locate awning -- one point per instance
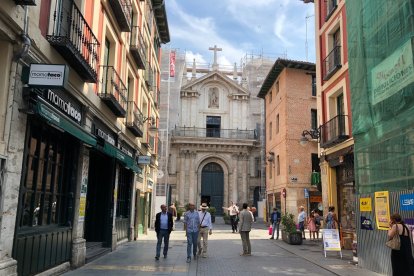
(125, 159)
(54, 117)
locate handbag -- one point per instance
(270, 230)
(394, 243)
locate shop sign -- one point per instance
(366, 223)
(365, 204)
(382, 210)
(393, 73)
(126, 151)
(52, 116)
(107, 137)
(407, 202)
(331, 240)
(68, 108)
(315, 198)
(48, 75)
(144, 160)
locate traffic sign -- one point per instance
(306, 193)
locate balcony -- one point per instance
(332, 63)
(149, 78)
(215, 133)
(138, 47)
(74, 40)
(331, 6)
(123, 13)
(334, 131)
(113, 91)
(25, 2)
(135, 119)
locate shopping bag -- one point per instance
(270, 230)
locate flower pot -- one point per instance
(294, 238)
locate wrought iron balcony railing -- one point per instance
(138, 47)
(332, 63)
(135, 119)
(113, 91)
(72, 37)
(215, 133)
(123, 13)
(334, 131)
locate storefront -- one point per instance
(45, 213)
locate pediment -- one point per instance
(216, 77)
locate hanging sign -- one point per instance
(366, 223)
(365, 204)
(407, 202)
(144, 160)
(382, 210)
(48, 75)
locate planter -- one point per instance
(294, 238)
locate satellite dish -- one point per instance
(160, 174)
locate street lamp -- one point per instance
(313, 134)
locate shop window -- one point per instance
(48, 183)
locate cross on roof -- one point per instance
(215, 49)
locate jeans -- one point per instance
(164, 233)
(275, 227)
(192, 238)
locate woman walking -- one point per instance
(401, 260)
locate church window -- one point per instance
(213, 125)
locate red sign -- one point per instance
(284, 193)
(172, 64)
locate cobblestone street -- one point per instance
(268, 257)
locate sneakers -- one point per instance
(188, 259)
(157, 258)
(272, 238)
(204, 256)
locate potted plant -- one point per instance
(212, 211)
(289, 232)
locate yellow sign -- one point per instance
(82, 206)
(382, 210)
(365, 204)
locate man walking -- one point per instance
(163, 228)
(191, 224)
(275, 220)
(301, 221)
(206, 228)
(246, 220)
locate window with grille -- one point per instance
(48, 183)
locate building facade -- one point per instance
(79, 95)
(334, 106)
(213, 133)
(381, 74)
(290, 104)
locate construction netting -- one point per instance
(381, 71)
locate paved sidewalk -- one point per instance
(269, 257)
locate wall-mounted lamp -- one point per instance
(313, 134)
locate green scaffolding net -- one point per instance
(381, 71)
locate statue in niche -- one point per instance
(213, 100)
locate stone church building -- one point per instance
(214, 129)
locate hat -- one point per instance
(204, 206)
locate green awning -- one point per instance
(54, 117)
(125, 159)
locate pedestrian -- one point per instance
(401, 260)
(331, 219)
(301, 221)
(312, 226)
(173, 211)
(317, 223)
(275, 220)
(246, 220)
(206, 228)
(191, 225)
(163, 228)
(233, 212)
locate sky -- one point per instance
(274, 28)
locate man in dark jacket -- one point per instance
(163, 228)
(275, 220)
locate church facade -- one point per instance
(214, 146)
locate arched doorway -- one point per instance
(212, 186)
